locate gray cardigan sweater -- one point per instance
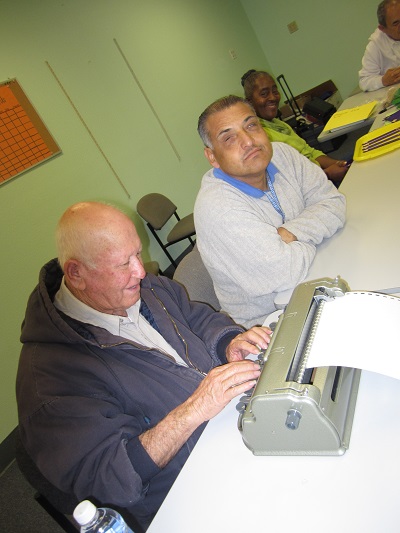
(238, 240)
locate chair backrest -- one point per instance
(193, 275)
(156, 209)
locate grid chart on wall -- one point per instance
(24, 139)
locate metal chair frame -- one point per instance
(156, 209)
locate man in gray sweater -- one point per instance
(260, 213)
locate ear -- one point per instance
(382, 28)
(211, 157)
(73, 274)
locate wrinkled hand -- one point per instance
(391, 76)
(286, 235)
(220, 386)
(251, 341)
(337, 171)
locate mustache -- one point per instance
(252, 149)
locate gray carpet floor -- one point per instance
(20, 513)
(346, 150)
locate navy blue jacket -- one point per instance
(85, 396)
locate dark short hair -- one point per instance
(249, 79)
(246, 75)
(381, 11)
(219, 105)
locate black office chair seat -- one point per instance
(183, 229)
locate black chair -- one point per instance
(156, 209)
(56, 503)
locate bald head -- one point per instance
(86, 229)
(99, 251)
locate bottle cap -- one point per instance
(84, 512)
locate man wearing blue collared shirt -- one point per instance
(260, 212)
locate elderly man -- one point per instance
(381, 61)
(119, 371)
(260, 212)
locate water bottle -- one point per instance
(99, 520)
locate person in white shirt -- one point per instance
(381, 61)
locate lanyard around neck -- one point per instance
(270, 173)
(273, 198)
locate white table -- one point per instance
(357, 100)
(223, 487)
(366, 252)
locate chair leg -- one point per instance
(169, 256)
(162, 245)
(61, 519)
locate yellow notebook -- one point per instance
(345, 117)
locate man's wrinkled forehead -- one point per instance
(224, 130)
(229, 119)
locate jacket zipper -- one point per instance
(190, 362)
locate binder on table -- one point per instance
(346, 117)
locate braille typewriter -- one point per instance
(294, 410)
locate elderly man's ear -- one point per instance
(211, 157)
(73, 274)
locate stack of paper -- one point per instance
(346, 117)
(343, 339)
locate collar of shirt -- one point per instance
(133, 327)
(243, 186)
(66, 302)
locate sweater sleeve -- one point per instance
(239, 242)
(324, 209)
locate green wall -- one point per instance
(329, 43)
(71, 58)
(179, 53)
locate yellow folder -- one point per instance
(345, 117)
